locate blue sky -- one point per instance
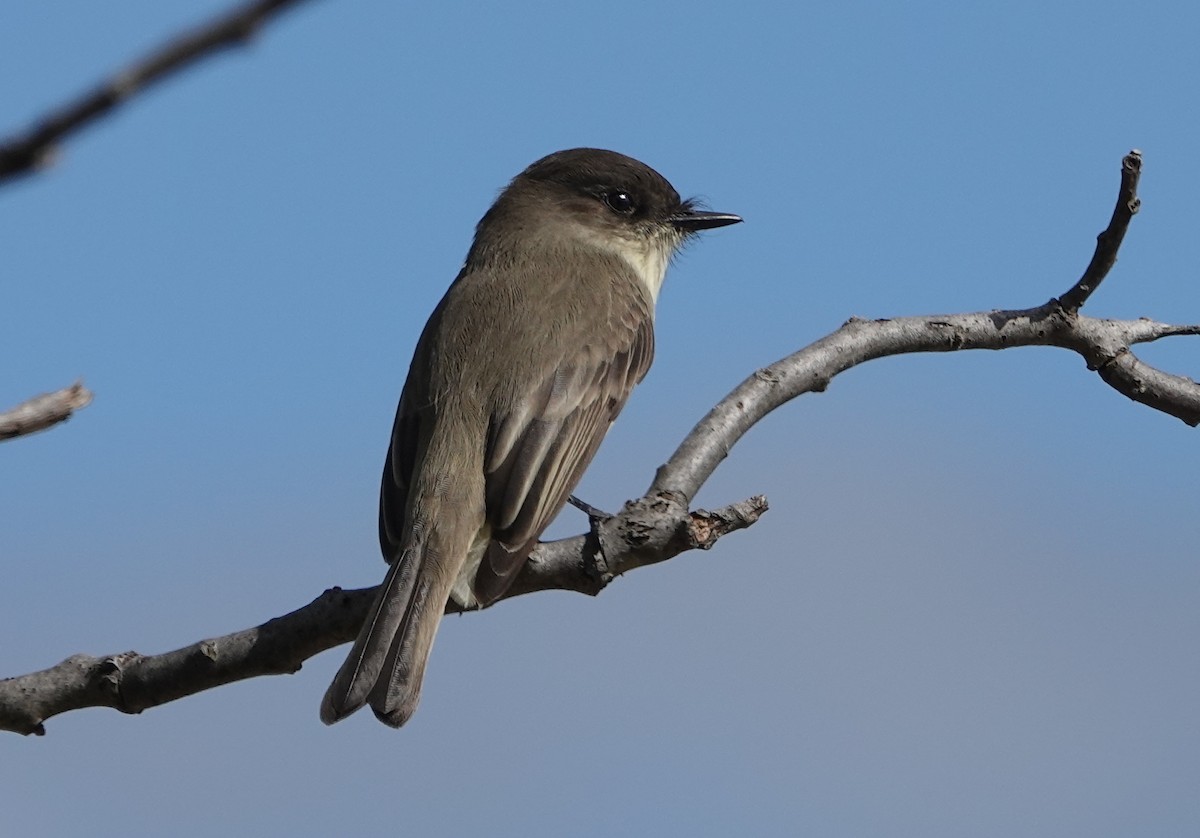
(974, 606)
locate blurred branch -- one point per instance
(44, 411)
(34, 149)
(658, 526)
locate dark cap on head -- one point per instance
(626, 186)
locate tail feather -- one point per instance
(387, 662)
(382, 629)
(397, 690)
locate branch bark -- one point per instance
(645, 532)
(44, 411)
(1109, 240)
(657, 526)
(34, 148)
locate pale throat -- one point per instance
(647, 256)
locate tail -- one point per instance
(387, 662)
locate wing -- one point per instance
(402, 455)
(538, 449)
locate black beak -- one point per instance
(690, 220)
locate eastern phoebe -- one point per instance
(522, 367)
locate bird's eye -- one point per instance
(619, 202)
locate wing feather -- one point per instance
(401, 459)
(538, 450)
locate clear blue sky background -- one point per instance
(974, 608)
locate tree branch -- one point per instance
(1104, 344)
(44, 411)
(645, 532)
(34, 149)
(1109, 241)
(658, 526)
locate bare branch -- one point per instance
(44, 411)
(645, 532)
(1154, 388)
(1104, 344)
(34, 149)
(1145, 330)
(1109, 241)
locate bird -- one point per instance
(515, 380)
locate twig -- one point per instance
(34, 149)
(44, 411)
(1109, 241)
